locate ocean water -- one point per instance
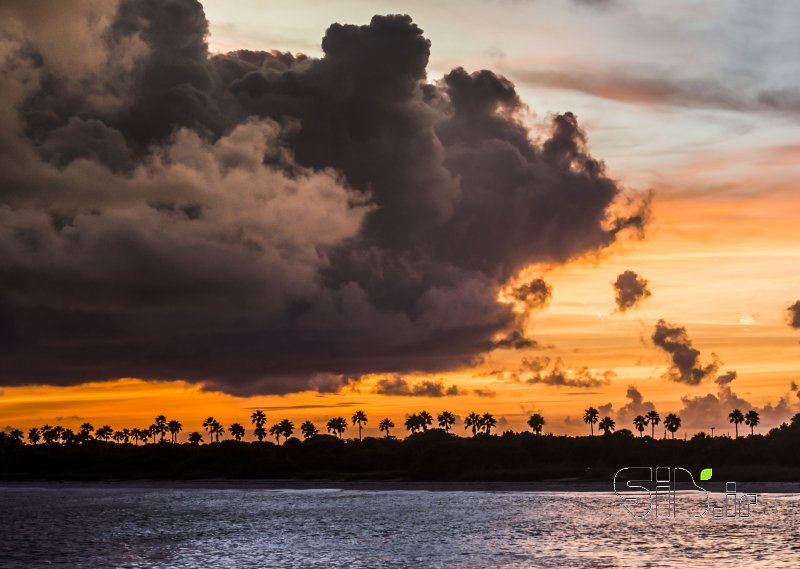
(103, 526)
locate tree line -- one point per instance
(163, 430)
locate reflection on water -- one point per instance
(103, 527)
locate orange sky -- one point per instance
(721, 255)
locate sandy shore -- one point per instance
(562, 485)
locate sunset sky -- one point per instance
(367, 249)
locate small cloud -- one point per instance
(636, 405)
(794, 315)
(534, 294)
(514, 340)
(398, 386)
(726, 378)
(484, 392)
(630, 290)
(535, 370)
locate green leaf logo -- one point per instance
(705, 474)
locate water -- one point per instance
(103, 527)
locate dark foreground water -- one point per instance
(101, 527)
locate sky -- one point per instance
(380, 224)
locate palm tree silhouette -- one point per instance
(672, 423)
(137, 435)
(85, 432)
(360, 419)
(337, 425)
(174, 427)
(237, 431)
(472, 421)
(488, 422)
(195, 438)
(640, 423)
(752, 419)
(217, 429)
(607, 425)
(208, 425)
(287, 428)
(34, 436)
(590, 417)
(385, 425)
(16, 436)
(160, 426)
(275, 431)
(308, 429)
(536, 423)
(425, 420)
(446, 420)
(736, 418)
(104, 433)
(413, 423)
(654, 419)
(259, 419)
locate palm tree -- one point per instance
(308, 429)
(590, 417)
(413, 423)
(85, 432)
(446, 420)
(425, 420)
(385, 425)
(195, 438)
(34, 436)
(536, 423)
(208, 425)
(126, 434)
(118, 436)
(672, 423)
(104, 433)
(287, 428)
(736, 418)
(654, 419)
(137, 435)
(16, 436)
(752, 419)
(360, 419)
(607, 425)
(259, 419)
(275, 431)
(160, 426)
(237, 431)
(147, 432)
(472, 421)
(174, 427)
(217, 429)
(640, 423)
(488, 422)
(337, 425)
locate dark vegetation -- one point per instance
(427, 454)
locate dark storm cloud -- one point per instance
(427, 388)
(629, 290)
(794, 315)
(263, 222)
(686, 366)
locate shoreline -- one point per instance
(562, 485)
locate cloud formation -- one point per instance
(686, 366)
(539, 370)
(794, 315)
(630, 289)
(264, 222)
(636, 405)
(397, 385)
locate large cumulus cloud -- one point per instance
(262, 221)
